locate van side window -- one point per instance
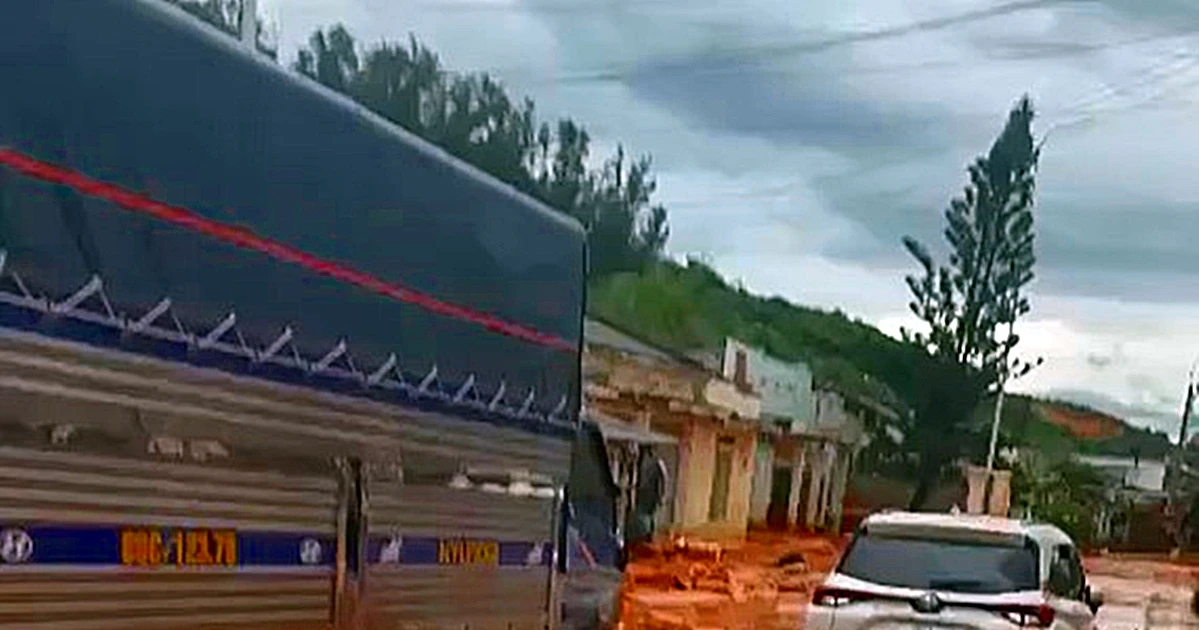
(1065, 573)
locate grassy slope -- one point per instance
(691, 307)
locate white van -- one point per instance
(930, 571)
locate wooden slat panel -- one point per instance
(88, 490)
(71, 488)
(130, 469)
(434, 511)
(340, 422)
(453, 597)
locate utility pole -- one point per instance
(995, 429)
(248, 23)
(1003, 374)
(1186, 411)
(1176, 481)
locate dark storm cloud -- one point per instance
(885, 98)
(1172, 13)
(802, 108)
(911, 157)
(1108, 244)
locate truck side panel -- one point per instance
(152, 495)
(134, 95)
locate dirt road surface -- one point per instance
(764, 584)
(1144, 593)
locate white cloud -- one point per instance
(1137, 356)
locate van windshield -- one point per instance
(929, 564)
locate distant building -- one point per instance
(1134, 518)
(808, 435)
(1144, 476)
(702, 425)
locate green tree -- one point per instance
(1061, 491)
(473, 118)
(626, 229)
(970, 305)
(226, 15)
(331, 58)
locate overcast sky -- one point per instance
(796, 142)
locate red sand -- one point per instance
(759, 583)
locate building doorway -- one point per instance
(805, 496)
(718, 506)
(780, 497)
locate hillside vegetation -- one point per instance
(684, 307)
(689, 306)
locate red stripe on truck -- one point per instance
(243, 237)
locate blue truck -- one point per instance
(269, 361)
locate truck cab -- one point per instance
(593, 555)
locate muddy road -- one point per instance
(764, 583)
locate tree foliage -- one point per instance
(1063, 492)
(472, 117)
(689, 307)
(226, 16)
(969, 305)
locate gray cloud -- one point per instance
(797, 142)
(1171, 13)
(1143, 415)
(809, 109)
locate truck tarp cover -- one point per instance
(140, 96)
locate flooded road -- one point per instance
(1144, 594)
(765, 583)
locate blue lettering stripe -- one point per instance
(114, 546)
(425, 551)
(101, 546)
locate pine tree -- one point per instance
(970, 305)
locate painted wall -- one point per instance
(697, 463)
(785, 388)
(833, 419)
(762, 479)
(697, 459)
(740, 481)
(724, 394)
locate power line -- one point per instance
(1085, 108)
(732, 58)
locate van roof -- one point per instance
(974, 528)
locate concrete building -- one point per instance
(808, 436)
(700, 423)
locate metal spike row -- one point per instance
(214, 335)
(282, 340)
(430, 380)
(148, 319)
(330, 356)
(556, 414)
(498, 398)
(388, 374)
(467, 389)
(383, 370)
(527, 405)
(89, 289)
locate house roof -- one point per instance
(600, 333)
